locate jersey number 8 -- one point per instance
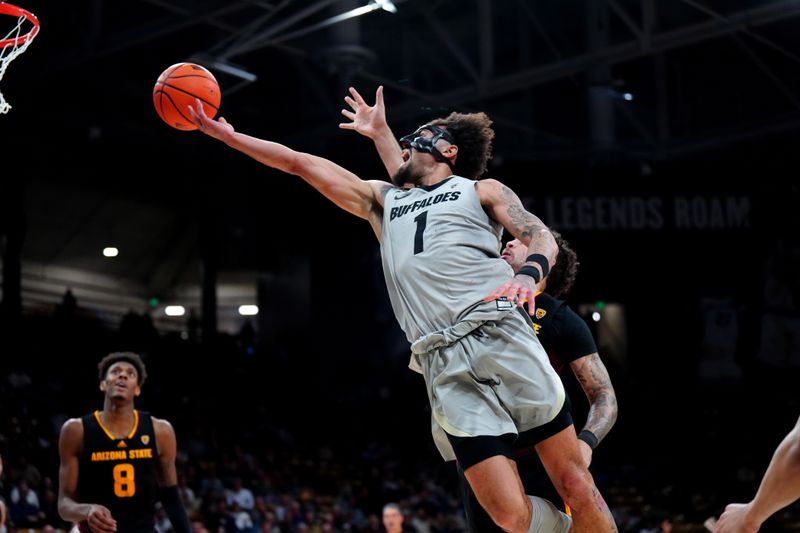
(124, 482)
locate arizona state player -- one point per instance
(568, 342)
(113, 461)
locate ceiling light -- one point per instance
(233, 70)
(110, 251)
(248, 310)
(386, 5)
(174, 310)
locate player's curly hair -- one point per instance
(128, 357)
(562, 276)
(473, 135)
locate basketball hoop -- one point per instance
(15, 42)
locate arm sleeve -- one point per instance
(176, 512)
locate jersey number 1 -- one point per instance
(124, 483)
(422, 221)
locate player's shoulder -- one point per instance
(382, 184)
(72, 426)
(550, 303)
(381, 188)
(160, 421)
(488, 185)
(165, 434)
(570, 312)
(162, 425)
(71, 436)
(569, 317)
(492, 191)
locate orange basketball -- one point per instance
(176, 89)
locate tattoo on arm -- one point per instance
(526, 223)
(593, 377)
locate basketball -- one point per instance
(176, 89)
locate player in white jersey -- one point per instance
(487, 376)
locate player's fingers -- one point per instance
(497, 293)
(379, 96)
(106, 519)
(222, 119)
(103, 526)
(512, 292)
(527, 296)
(524, 295)
(108, 528)
(349, 114)
(356, 95)
(490, 297)
(503, 287)
(200, 111)
(346, 126)
(102, 522)
(352, 103)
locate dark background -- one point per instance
(713, 122)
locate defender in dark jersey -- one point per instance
(114, 461)
(568, 342)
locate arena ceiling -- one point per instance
(564, 80)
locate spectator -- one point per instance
(25, 511)
(240, 495)
(393, 518)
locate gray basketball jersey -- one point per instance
(441, 254)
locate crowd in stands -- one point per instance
(268, 445)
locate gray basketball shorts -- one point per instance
(488, 377)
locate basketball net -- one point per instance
(15, 42)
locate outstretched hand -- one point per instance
(365, 119)
(735, 519)
(520, 290)
(219, 129)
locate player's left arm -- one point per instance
(168, 476)
(503, 205)
(370, 121)
(596, 383)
